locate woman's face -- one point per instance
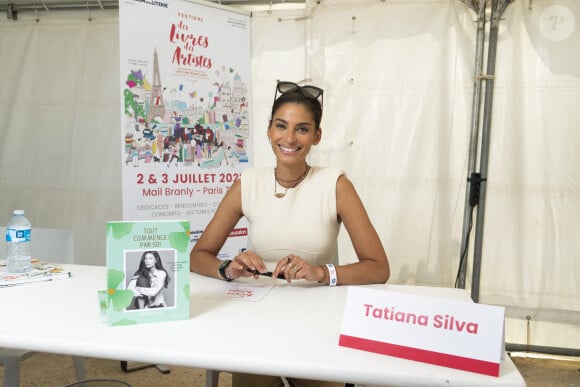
(149, 260)
(293, 132)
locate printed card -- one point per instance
(235, 291)
(456, 334)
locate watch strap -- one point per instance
(222, 270)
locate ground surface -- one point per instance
(42, 369)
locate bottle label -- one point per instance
(15, 235)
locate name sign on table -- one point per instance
(456, 334)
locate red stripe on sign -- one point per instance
(431, 357)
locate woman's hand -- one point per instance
(246, 260)
(294, 268)
(137, 291)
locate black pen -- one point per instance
(267, 274)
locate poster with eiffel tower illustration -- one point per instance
(185, 115)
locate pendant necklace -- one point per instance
(293, 183)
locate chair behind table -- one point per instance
(54, 246)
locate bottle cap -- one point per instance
(18, 212)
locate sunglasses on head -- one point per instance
(308, 91)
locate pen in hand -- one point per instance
(267, 274)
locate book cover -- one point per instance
(147, 272)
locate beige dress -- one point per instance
(304, 222)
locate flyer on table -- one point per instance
(185, 114)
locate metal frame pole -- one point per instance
(475, 193)
(473, 142)
(497, 10)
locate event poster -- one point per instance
(185, 92)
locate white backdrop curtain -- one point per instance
(398, 78)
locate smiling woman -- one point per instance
(280, 203)
(295, 211)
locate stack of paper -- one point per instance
(40, 272)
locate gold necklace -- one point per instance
(297, 181)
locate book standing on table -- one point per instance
(147, 272)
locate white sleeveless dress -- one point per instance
(304, 222)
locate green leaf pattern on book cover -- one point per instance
(186, 291)
(119, 230)
(179, 241)
(124, 322)
(120, 298)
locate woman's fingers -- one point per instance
(292, 267)
(249, 260)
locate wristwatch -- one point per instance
(222, 270)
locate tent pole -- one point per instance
(475, 114)
(560, 351)
(497, 10)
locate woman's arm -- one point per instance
(373, 265)
(155, 289)
(203, 256)
(132, 286)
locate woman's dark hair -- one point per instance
(143, 272)
(298, 97)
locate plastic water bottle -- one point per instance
(18, 243)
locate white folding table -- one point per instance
(293, 331)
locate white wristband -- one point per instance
(331, 274)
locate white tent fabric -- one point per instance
(398, 80)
